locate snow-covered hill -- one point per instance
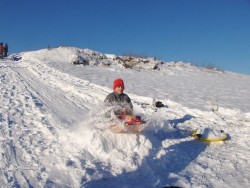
(53, 130)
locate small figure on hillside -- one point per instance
(1, 50)
(6, 49)
(118, 98)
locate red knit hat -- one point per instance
(118, 82)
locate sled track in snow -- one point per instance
(89, 93)
(62, 93)
(25, 133)
(30, 131)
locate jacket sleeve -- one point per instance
(109, 100)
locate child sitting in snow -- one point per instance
(119, 99)
(123, 110)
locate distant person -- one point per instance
(6, 49)
(117, 97)
(1, 50)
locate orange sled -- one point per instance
(128, 124)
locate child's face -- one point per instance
(119, 90)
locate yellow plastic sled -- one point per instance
(221, 136)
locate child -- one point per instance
(123, 110)
(119, 99)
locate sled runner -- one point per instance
(128, 124)
(209, 135)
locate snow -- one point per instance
(54, 134)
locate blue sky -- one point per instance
(203, 32)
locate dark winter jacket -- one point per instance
(1, 49)
(119, 99)
(6, 48)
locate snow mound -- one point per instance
(78, 56)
